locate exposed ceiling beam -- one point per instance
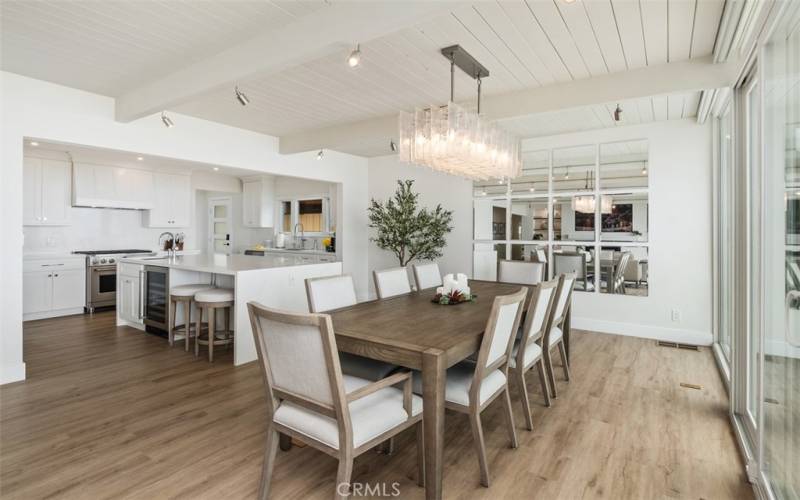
(669, 78)
(334, 28)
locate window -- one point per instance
(582, 209)
(312, 212)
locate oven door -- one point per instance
(103, 286)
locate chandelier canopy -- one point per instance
(450, 139)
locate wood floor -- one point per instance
(111, 412)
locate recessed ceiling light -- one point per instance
(216, 169)
(140, 158)
(167, 120)
(355, 57)
(34, 143)
(320, 154)
(241, 97)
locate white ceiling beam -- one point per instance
(335, 28)
(669, 78)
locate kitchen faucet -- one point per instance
(171, 249)
(302, 234)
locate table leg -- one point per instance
(433, 378)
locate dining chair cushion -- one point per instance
(532, 351)
(370, 416)
(459, 380)
(369, 369)
(555, 335)
(188, 290)
(214, 295)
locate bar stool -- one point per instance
(210, 300)
(183, 294)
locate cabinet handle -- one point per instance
(51, 265)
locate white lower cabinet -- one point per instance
(53, 287)
(128, 299)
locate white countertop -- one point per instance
(306, 252)
(231, 264)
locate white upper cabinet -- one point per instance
(112, 187)
(258, 201)
(172, 201)
(45, 196)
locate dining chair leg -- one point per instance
(269, 463)
(343, 477)
(420, 454)
(187, 321)
(563, 351)
(480, 447)
(543, 381)
(548, 366)
(523, 396)
(386, 447)
(512, 429)
(285, 442)
(212, 323)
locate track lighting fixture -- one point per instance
(532, 189)
(618, 114)
(566, 175)
(166, 119)
(320, 155)
(242, 98)
(140, 158)
(392, 146)
(355, 57)
(644, 170)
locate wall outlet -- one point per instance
(676, 315)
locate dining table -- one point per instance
(412, 331)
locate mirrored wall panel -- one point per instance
(624, 217)
(624, 165)
(535, 174)
(573, 218)
(489, 218)
(484, 260)
(529, 219)
(573, 168)
(575, 259)
(623, 270)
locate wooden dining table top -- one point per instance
(413, 323)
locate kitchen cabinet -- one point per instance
(45, 192)
(258, 201)
(53, 286)
(172, 201)
(128, 300)
(111, 187)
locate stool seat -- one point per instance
(188, 290)
(214, 295)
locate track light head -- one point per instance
(618, 114)
(355, 57)
(644, 171)
(166, 120)
(392, 146)
(241, 97)
(320, 155)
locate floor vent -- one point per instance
(691, 386)
(664, 343)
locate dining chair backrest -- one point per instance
(619, 274)
(427, 275)
(517, 271)
(566, 283)
(570, 263)
(541, 255)
(606, 254)
(569, 249)
(391, 282)
(330, 292)
(501, 329)
(541, 303)
(298, 359)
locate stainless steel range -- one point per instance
(101, 275)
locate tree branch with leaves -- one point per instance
(404, 230)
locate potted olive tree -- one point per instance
(408, 232)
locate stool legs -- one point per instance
(171, 323)
(197, 331)
(187, 320)
(211, 324)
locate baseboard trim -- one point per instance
(12, 373)
(52, 314)
(680, 336)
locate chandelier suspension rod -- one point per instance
(452, 77)
(479, 92)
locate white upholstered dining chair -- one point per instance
(517, 271)
(309, 399)
(554, 336)
(471, 386)
(427, 275)
(391, 282)
(334, 292)
(527, 351)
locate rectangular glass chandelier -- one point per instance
(453, 140)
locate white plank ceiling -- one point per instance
(112, 47)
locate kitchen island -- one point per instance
(276, 281)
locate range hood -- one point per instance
(101, 186)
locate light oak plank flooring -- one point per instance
(112, 412)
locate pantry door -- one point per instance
(220, 226)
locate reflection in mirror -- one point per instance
(489, 218)
(530, 253)
(535, 172)
(485, 257)
(573, 169)
(573, 218)
(627, 219)
(490, 187)
(529, 219)
(624, 270)
(624, 164)
(575, 259)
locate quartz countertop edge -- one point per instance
(231, 265)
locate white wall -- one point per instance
(45, 111)
(453, 193)
(680, 269)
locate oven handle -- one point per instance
(104, 269)
(142, 285)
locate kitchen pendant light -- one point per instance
(241, 97)
(450, 139)
(166, 120)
